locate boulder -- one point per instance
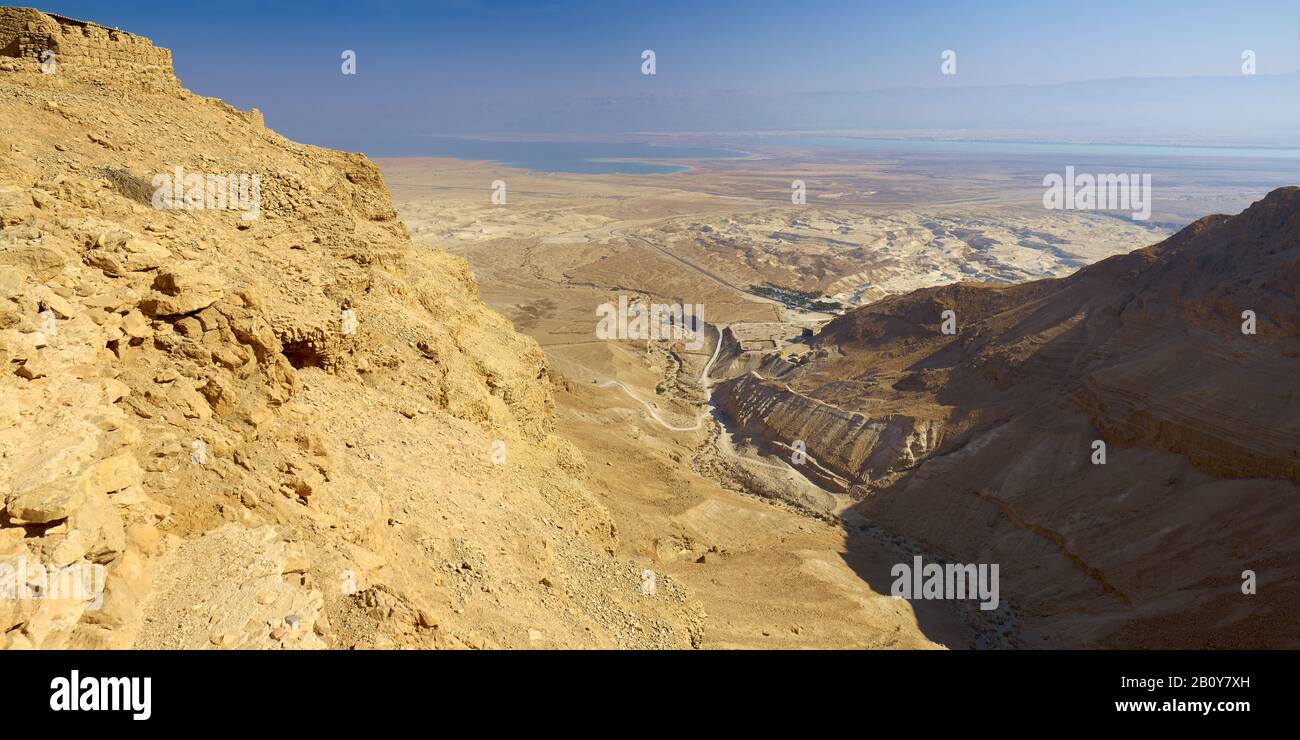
(48, 503)
(181, 291)
(111, 474)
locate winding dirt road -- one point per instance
(704, 383)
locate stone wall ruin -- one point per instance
(80, 46)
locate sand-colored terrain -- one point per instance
(186, 414)
(365, 418)
(1122, 441)
(188, 411)
(718, 508)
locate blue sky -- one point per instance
(417, 59)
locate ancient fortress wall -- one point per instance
(80, 46)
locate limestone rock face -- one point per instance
(851, 445)
(983, 443)
(48, 503)
(222, 391)
(120, 252)
(183, 291)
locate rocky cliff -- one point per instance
(232, 392)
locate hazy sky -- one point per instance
(417, 58)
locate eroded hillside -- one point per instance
(1182, 358)
(185, 402)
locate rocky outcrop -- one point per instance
(850, 445)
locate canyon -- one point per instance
(982, 443)
(376, 410)
(974, 446)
